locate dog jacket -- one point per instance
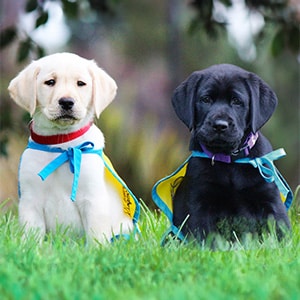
(164, 190)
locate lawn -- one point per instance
(65, 268)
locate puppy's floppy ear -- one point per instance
(104, 88)
(22, 88)
(263, 102)
(183, 99)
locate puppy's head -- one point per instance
(63, 89)
(221, 105)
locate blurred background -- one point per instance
(149, 47)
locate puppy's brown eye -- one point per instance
(236, 101)
(50, 82)
(81, 83)
(206, 99)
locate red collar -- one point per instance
(59, 138)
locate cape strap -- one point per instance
(266, 168)
(73, 155)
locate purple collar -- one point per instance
(241, 152)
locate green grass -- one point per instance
(64, 268)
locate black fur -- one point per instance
(221, 105)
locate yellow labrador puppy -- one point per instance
(62, 171)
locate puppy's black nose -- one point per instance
(66, 103)
(220, 126)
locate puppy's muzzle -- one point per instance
(67, 110)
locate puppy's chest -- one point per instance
(33, 162)
(232, 175)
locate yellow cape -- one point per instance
(163, 191)
(130, 203)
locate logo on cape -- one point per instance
(130, 203)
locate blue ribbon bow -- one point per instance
(265, 164)
(72, 154)
(266, 168)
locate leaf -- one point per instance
(194, 26)
(31, 5)
(213, 29)
(294, 39)
(3, 146)
(40, 51)
(104, 6)
(278, 42)
(42, 19)
(227, 3)
(70, 8)
(24, 50)
(7, 36)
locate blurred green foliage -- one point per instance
(142, 155)
(179, 37)
(279, 12)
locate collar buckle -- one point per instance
(213, 160)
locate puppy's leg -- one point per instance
(99, 203)
(96, 218)
(102, 224)
(188, 212)
(97, 227)
(267, 209)
(32, 220)
(104, 220)
(278, 219)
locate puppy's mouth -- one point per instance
(221, 146)
(66, 119)
(219, 143)
(222, 141)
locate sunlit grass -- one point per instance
(63, 267)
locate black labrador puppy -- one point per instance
(224, 107)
